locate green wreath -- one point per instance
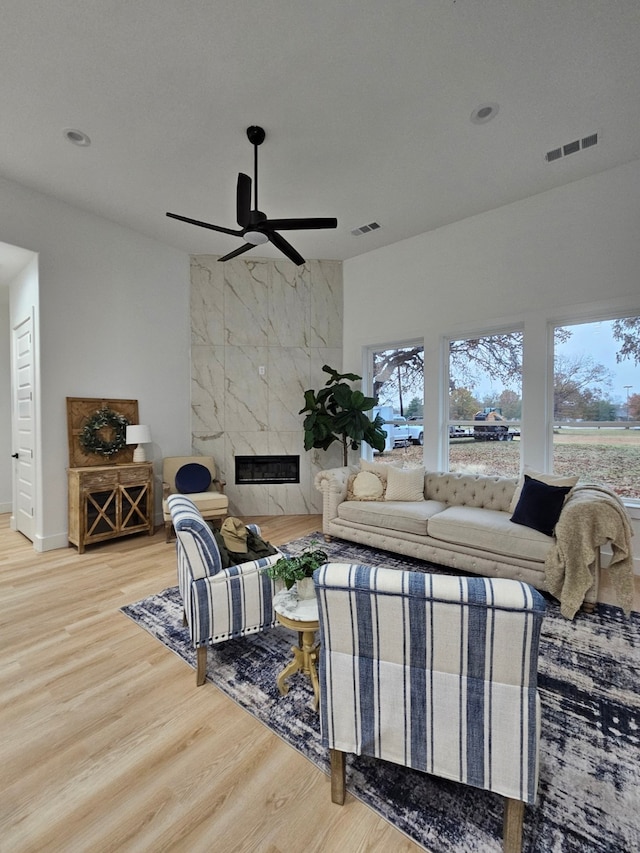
(91, 438)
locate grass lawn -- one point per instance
(608, 456)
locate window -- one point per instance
(595, 392)
(596, 403)
(485, 403)
(397, 380)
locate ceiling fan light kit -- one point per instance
(255, 228)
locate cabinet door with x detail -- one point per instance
(106, 502)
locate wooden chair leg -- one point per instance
(168, 531)
(201, 672)
(337, 776)
(512, 830)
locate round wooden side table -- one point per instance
(299, 615)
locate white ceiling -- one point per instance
(366, 105)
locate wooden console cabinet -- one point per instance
(108, 501)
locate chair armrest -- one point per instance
(220, 484)
(253, 567)
(166, 490)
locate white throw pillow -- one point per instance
(549, 479)
(365, 486)
(405, 484)
(380, 468)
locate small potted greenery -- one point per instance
(299, 570)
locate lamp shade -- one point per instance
(138, 434)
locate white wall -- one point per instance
(562, 254)
(114, 322)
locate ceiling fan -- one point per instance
(255, 228)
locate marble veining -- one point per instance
(207, 388)
(261, 331)
(246, 294)
(207, 301)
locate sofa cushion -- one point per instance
(365, 486)
(405, 484)
(406, 517)
(488, 530)
(380, 468)
(549, 479)
(540, 505)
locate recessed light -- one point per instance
(77, 137)
(484, 113)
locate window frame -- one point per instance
(366, 452)
(538, 352)
(444, 420)
(579, 319)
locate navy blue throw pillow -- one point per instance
(540, 505)
(192, 478)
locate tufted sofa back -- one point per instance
(478, 490)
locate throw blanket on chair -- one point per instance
(592, 516)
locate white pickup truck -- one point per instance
(403, 431)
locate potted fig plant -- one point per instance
(338, 412)
(299, 570)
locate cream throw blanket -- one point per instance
(592, 516)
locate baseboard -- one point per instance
(5, 507)
(50, 543)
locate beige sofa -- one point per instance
(463, 523)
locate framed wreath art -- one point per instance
(97, 430)
(105, 432)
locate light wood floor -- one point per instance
(108, 745)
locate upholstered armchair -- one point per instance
(432, 672)
(197, 477)
(219, 604)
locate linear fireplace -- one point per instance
(267, 469)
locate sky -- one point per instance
(587, 339)
(596, 340)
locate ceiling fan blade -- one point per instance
(244, 248)
(205, 225)
(300, 224)
(285, 247)
(243, 199)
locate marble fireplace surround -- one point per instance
(260, 332)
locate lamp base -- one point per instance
(139, 455)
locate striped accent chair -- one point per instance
(219, 604)
(432, 672)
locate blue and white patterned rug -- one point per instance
(589, 679)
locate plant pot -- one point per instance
(305, 588)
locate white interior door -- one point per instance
(23, 429)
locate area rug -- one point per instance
(589, 679)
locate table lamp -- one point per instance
(138, 434)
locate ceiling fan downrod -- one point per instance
(256, 137)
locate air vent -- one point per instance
(571, 148)
(364, 229)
